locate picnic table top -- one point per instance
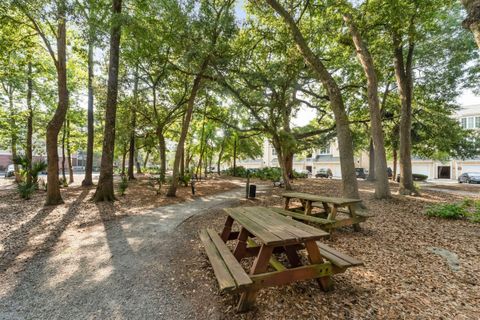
(315, 198)
(273, 229)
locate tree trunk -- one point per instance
(145, 162)
(472, 22)
(182, 165)
(124, 160)
(162, 150)
(235, 157)
(289, 164)
(371, 162)
(137, 163)
(69, 155)
(87, 181)
(282, 161)
(220, 155)
(105, 190)
(186, 124)
(29, 151)
(404, 77)
(64, 136)
(131, 175)
(347, 164)
(379, 172)
(13, 135)
(395, 162)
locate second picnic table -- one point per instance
(330, 205)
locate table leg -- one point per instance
(260, 265)
(315, 257)
(287, 202)
(308, 207)
(241, 247)
(353, 215)
(292, 256)
(326, 207)
(227, 229)
(333, 213)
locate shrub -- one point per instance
(447, 211)
(419, 177)
(26, 190)
(123, 185)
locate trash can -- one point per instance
(252, 191)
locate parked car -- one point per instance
(324, 173)
(469, 177)
(361, 173)
(389, 172)
(303, 173)
(10, 172)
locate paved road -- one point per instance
(114, 270)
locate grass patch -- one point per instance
(466, 209)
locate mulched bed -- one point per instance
(27, 227)
(402, 278)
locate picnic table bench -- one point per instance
(264, 233)
(328, 215)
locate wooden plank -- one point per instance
(278, 278)
(224, 278)
(301, 216)
(257, 230)
(301, 230)
(334, 200)
(338, 258)
(239, 275)
(274, 226)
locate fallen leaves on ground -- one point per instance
(402, 278)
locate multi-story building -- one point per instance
(329, 157)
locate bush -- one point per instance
(123, 185)
(26, 190)
(447, 211)
(419, 177)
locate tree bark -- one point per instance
(69, 155)
(64, 136)
(146, 160)
(282, 161)
(13, 134)
(472, 22)
(55, 124)
(105, 190)
(220, 155)
(395, 162)
(382, 188)
(347, 164)
(162, 150)
(133, 124)
(404, 77)
(172, 191)
(235, 157)
(87, 181)
(29, 148)
(124, 160)
(371, 161)
(137, 163)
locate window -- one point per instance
(470, 123)
(477, 122)
(463, 123)
(325, 150)
(274, 152)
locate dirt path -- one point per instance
(118, 269)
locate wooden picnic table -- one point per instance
(263, 233)
(330, 205)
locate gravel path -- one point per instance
(118, 269)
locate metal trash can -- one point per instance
(252, 191)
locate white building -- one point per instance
(469, 118)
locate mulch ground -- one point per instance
(402, 278)
(26, 226)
